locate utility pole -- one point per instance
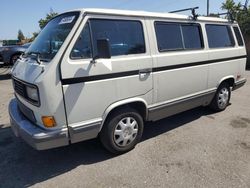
(208, 7)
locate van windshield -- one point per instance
(52, 37)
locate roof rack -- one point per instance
(194, 15)
(229, 16)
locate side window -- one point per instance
(168, 36)
(238, 36)
(82, 47)
(125, 37)
(219, 36)
(178, 36)
(192, 37)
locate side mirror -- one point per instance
(103, 49)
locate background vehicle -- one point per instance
(9, 54)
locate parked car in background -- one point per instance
(9, 54)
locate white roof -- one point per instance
(148, 14)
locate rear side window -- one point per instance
(125, 37)
(168, 36)
(192, 36)
(238, 36)
(177, 36)
(219, 36)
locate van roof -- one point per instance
(148, 14)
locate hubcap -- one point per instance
(125, 131)
(223, 98)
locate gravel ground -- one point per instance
(196, 148)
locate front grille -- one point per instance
(28, 113)
(19, 88)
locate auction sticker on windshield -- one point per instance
(67, 20)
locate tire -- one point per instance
(221, 98)
(122, 131)
(14, 59)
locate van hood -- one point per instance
(27, 70)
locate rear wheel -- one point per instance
(122, 131)
(221, 98)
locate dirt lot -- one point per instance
(194, 149)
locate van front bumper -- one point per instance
(35, 136)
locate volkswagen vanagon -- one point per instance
(103, 73)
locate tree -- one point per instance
(242, 16)
(44, 21)
(20, 35)
(231, 8)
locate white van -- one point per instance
(104, 73)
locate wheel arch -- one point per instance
(229, 79)
(137, 103)
(12, 55)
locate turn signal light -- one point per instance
(49, 121)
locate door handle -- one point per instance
(145, 71)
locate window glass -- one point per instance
(238, 36)
(82, 48)
(177, 36)
(191, 36)
(168, 36)
(125, 37)
(219, 36)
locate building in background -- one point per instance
(1, 43)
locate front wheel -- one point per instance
(122, 131)
(221, 98)
(14, 58)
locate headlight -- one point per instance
(32, 93)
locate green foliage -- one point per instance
(44, 21)
(242, 15)
(20, 35)
(243, 19)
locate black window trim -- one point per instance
(230, 32)
(111, 19)
(180, 25)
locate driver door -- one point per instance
(91, 86)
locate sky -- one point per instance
(25, 14)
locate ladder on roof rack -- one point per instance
(194, 15)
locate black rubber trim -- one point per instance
(99, 77)
(239, 84)
(69, 81)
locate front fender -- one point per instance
(121, 103)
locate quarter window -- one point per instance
(82, 48)
(125, 37)
(219, 36)
(178, 36)
(238, 36)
